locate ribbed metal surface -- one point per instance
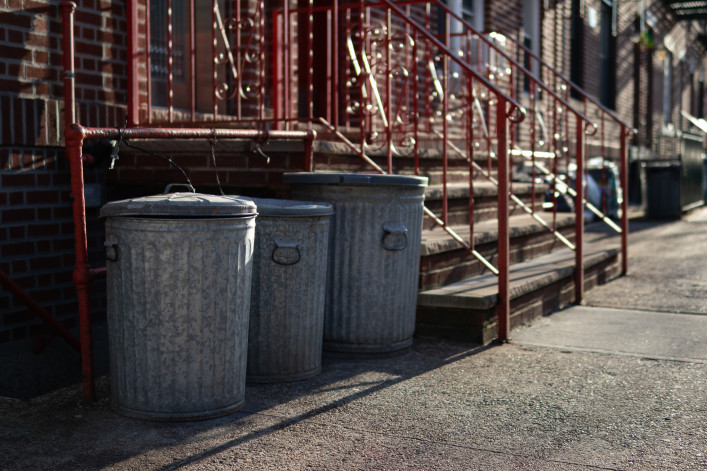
(178, 303)
(287, 301)
(372, 290)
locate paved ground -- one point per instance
(621, 387)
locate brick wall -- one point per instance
(36, 226)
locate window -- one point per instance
(207, 26)
(160, 48)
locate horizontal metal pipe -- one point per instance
(190, 133)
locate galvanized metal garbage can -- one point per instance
(179, 278)
(374, 258)
(287, 298)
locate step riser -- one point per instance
(448, 267)
(485, 209)
(480, 326)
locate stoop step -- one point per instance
(466, 310)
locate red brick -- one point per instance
(86, 17)
(63, 212)
(60, 245)
(44, 213)
(43, 197)
(18, 179)
(89, 49)
(44, 279)
(17, 232)
(44, 246)
(61, 179)
(15, 36)
(38, 73)
(17, 317)
(41, 57)
(37, 40)
(62, 277)
(13, 86)
(21, 248)
(17, 197)
(67, 308)
(88, 33)
(4, 336)
(16, 53)
(39, 230)
(45, 263)
(19, 266)
(42, 89)
(18, 215)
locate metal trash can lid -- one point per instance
(181, 204)
(355, 179)
(290, 208)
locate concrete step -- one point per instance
(466, 310)
(443, 260)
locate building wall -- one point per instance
(36, 227)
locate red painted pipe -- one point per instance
(579, 216)
(42, 313)
(624, 204)
(503, 308)
(82, 274)
(67, 9)
(131, 15)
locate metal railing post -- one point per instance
(579, 215)
(133, 71)
(68, 9)
(624, 204)
(504, 305)
(82, 273)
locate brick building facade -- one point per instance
(635, 62)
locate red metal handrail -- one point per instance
(624, 131)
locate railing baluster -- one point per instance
(389, 92)
(579, 215)
(624, 204)
(503, 306)
(192, 62)
(170, 74)
(336, 91)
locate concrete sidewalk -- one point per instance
(613, 385)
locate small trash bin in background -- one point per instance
(663, 189)
(289, 285)
(374, 257)
(179, 278)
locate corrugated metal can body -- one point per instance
(178, 304)
(374, 265)
(287, 300)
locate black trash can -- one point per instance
(663, 189)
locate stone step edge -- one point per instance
(481, 292)
(436, 240)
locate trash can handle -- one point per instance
(286, 253)
(111, 250)
(172, 185)
(395, 237)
